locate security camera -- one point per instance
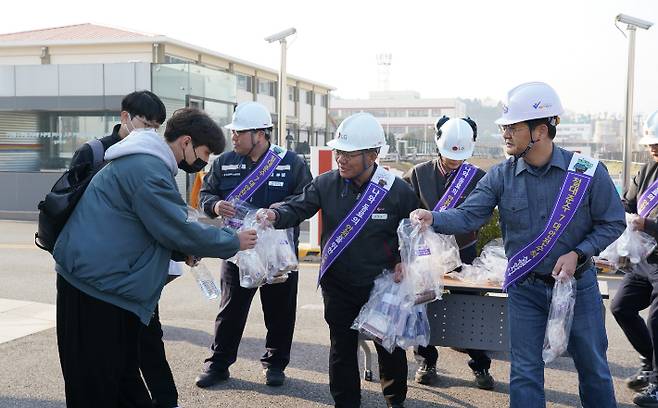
(637, 22)
(280, 36)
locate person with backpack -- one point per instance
(440, 184)
(112, 255)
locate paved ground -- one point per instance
(30, 375)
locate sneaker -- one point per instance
(483, 379)
(639, 380)
(211, 377)
(648, 397)
(274, 377)
(426, 374)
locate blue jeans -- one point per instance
(528, 305)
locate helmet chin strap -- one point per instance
(526, 150)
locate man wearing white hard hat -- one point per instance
(440, 184)
(557, 210)
(260, 174)
(367, 202)
(639, 288)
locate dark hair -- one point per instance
(532, 124)
(146, 104)
(199, 126)
(443, 119)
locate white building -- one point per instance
(62, 86)
(402, 113)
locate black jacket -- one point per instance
(429, 184)
(229, 169)
(647, 175)
(84, 154)
(375, 247)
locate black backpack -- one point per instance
(56, 208)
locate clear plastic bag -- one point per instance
(389, 318)
(242, 208)
(379, 319)
(489, 267)
(560, 316)
(271, 260)
(426, 257)
(633, 245)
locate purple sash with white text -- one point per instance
(579, 174)
(259, 175)
(459, 184)
(648, 200)
(377, 188)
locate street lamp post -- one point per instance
(283, 82)
(633, 24)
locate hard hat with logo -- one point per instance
(455, 138)
(650, 134)
(250, 116)
(360, 131)
(532, 100)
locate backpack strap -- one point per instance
(98, 151)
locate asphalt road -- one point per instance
(30, 375)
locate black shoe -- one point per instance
(639, 380)
(648, 397)
(483, 379)
(211, 377)
(426, 374)
(274, 377)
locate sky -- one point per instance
(466, 49)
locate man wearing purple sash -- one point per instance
(557, 210)
(362, 205)
(639, 288)
(441, 184)
(261, 174)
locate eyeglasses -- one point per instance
(512, 129)
(346, 155)
(241, 132)
(147, 124)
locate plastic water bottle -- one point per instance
(206, 282)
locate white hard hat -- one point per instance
(532, 100)
(650, 135)
(455, 139)
(250, 116)
(360, 131)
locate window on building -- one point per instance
(292, 93)
(397, 113)
(245, 82)
(309, 97)
(266, 87)
(416, 113)
(436, 112)
(321, 100)
(325, 101)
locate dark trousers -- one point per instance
(639, 290)
(279, 302)
(154, 365)
(341, 306)
(99, 352)
(429, 355)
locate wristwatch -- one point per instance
(581, 256)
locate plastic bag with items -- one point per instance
(389, 317)
(560, 316)
(271, 260)
(633, 245)
(242, 208)
(489, 267)
(426, 257)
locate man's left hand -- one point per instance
(566, 265)
(638, 223)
